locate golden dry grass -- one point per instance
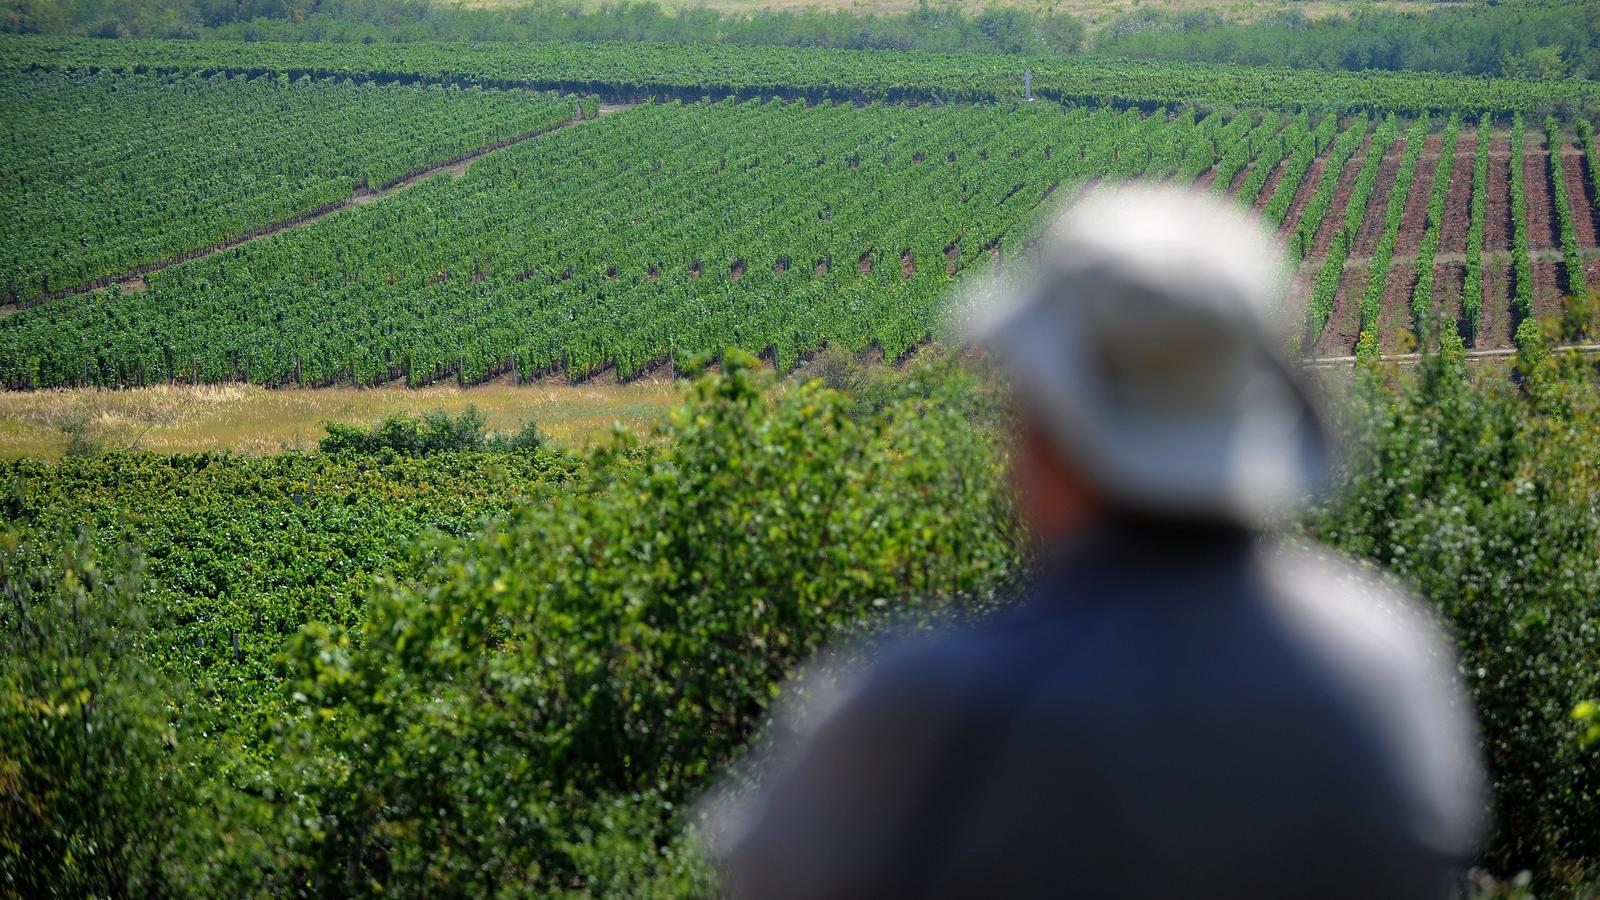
(249, 419)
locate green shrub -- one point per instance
(433, 432)
(1485, 499)
(614, 649)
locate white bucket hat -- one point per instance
(1146, 345)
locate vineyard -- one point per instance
(671, 230)
(626, 72)
(405, 664)
(106, 173)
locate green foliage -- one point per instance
(628, 69)
(1522, 299)
(1472, 286)
(1378, 280)
(530, 704)
(1484, 498)
(1577, 284)
(430, 433)
(1325, 289)
(95, 185)
(1523, 39)
(833, 225)
(1311, 219)
(95, 794)
(617, 647)
(1422, 292)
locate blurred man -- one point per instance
(1179, 707)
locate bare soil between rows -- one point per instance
(1542, 227)
(1458, 200)
(1414, 217)
(1580, 196)
(1372, 222)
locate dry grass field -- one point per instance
(249, 419)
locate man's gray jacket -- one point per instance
(1171, 713)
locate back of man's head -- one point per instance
(1145, 346)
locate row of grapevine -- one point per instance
(1294, 133)
(1307, 145)
(631, 71)
(106, 173)
(1378, 277)
(1522, 300)
(1316, 210)
(1241, 152)
(1326, 287)
(1422, 293)
(1592, 155)
(1472, 286)
(1577, 285)
(596, 246)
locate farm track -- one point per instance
(1326, 362)
(132, 280)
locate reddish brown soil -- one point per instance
(1458, 202)
(1448, 279)
(1372, 224)
(908, 265)
(1260, 202)
(1497, 197)
(780, 266)
(1395, 332)
(822, 267)
(1308, 187)
(1495, 326)
(1238, 181)
(1206, 178)
(1549, 283)
(864, 264)
(1541, 209)
(1344, 324)
(1294, 306)
(1585, 218)
(736, 271)
(1414, 218)
(952, 256)
(994, 256)
(1341, 200)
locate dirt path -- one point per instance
(1330, 361)
(132, 280)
